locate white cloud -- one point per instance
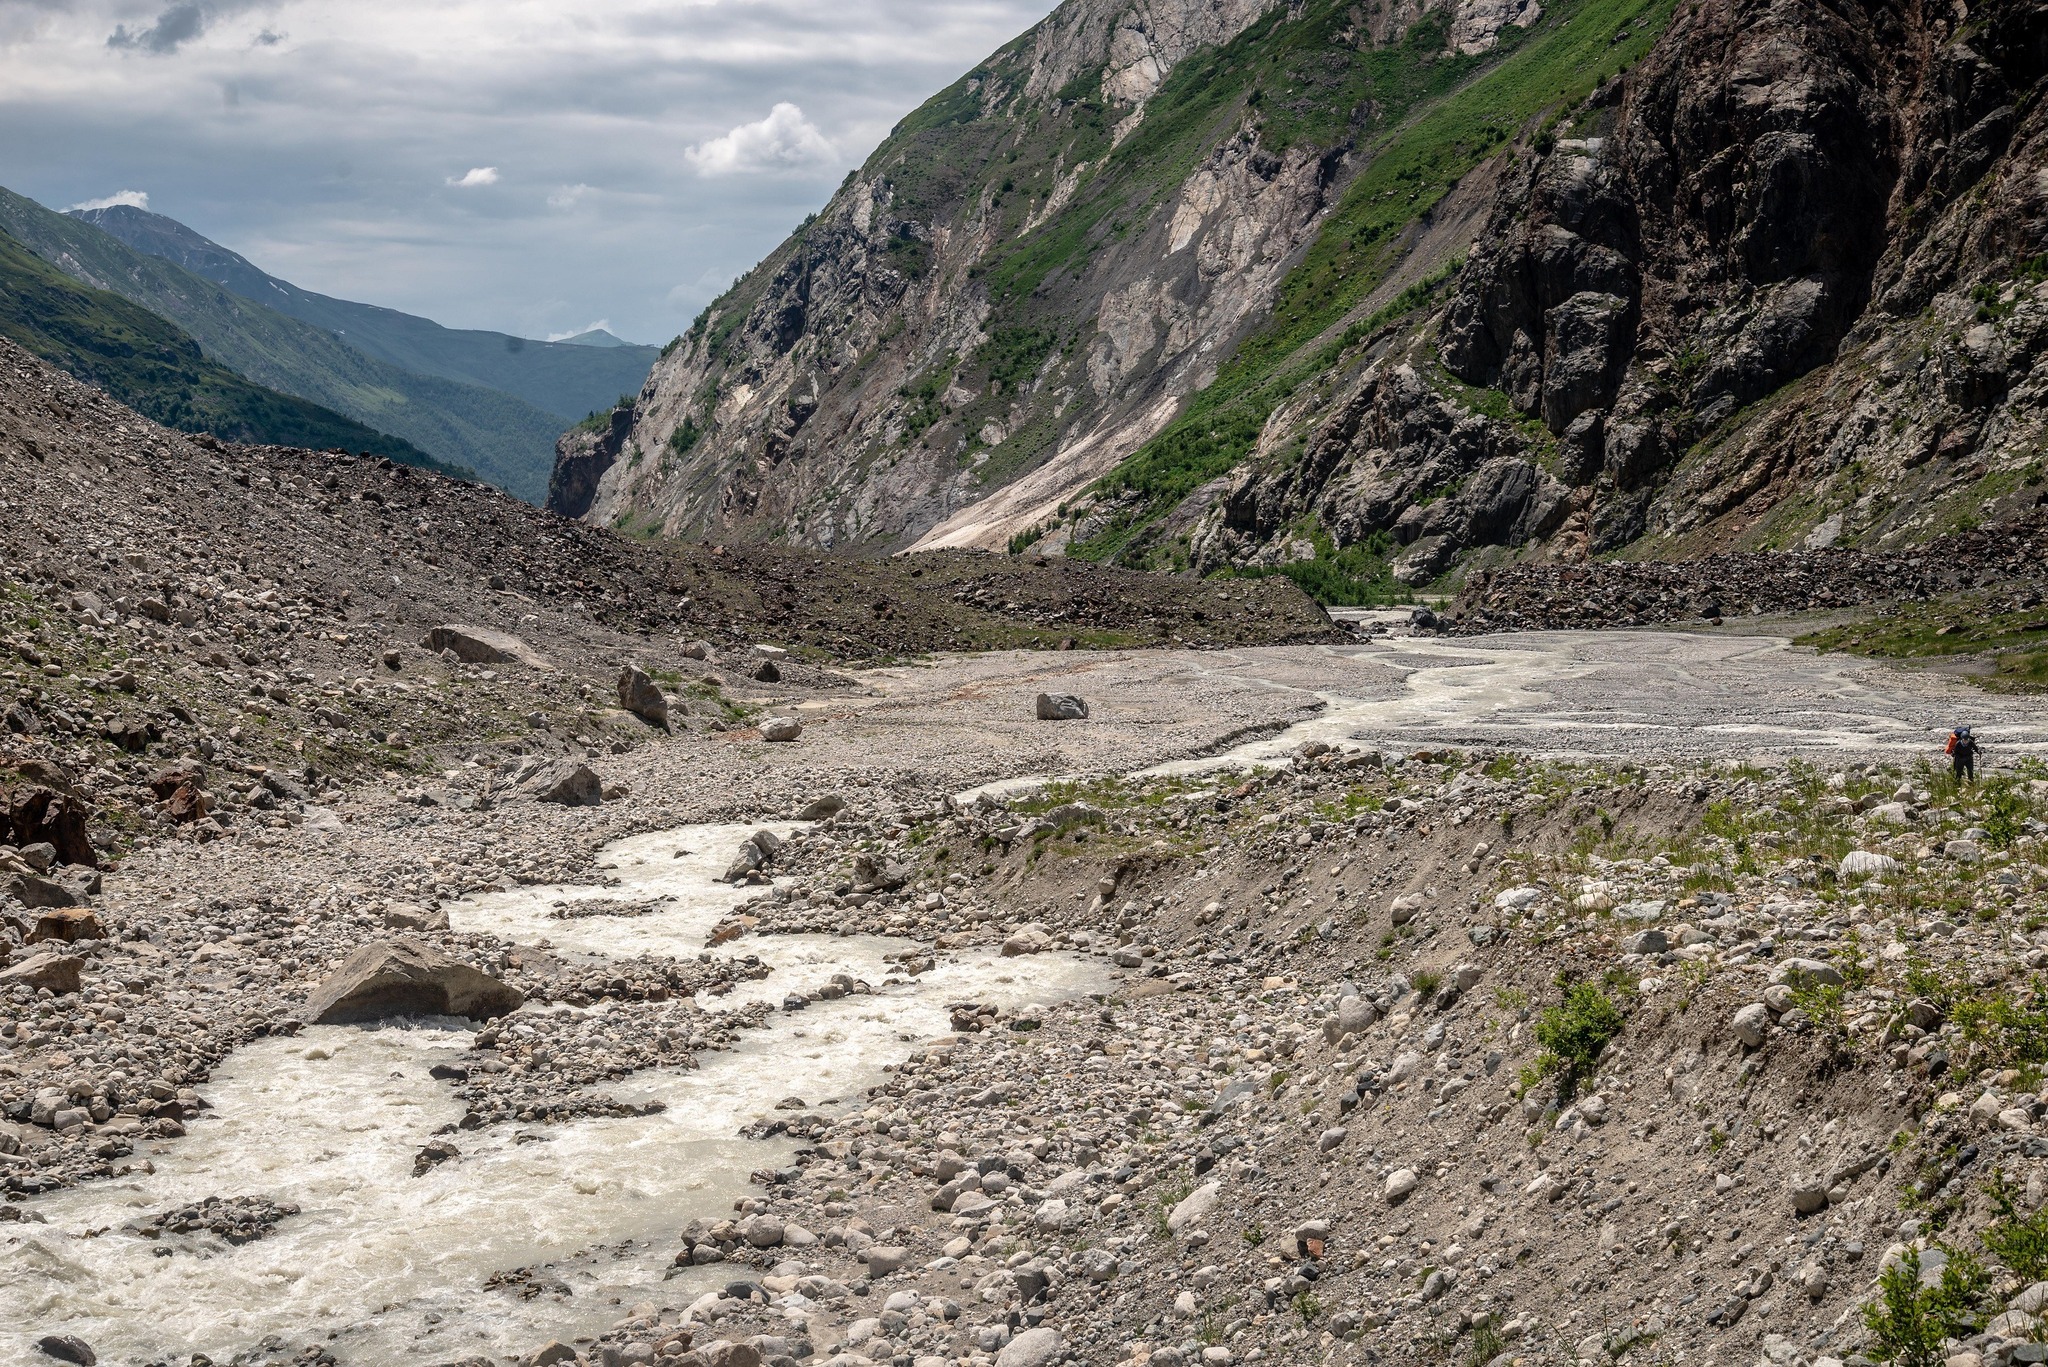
(566, 197)
(134, 199)
(477, 175)
(308, 155)
(601, 325)
(784, 141)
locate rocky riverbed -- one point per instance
(1232, 1037)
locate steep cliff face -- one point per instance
(1031, 276)
(1783, 282)
(1374, 294)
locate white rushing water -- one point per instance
(388, 1268)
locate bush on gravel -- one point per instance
(1909, 1323)
(1572, 1035)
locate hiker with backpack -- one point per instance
(1962, 752)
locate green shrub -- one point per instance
(1909, 1322)
(1487, 1344)
(2006, 813)
(2004, 1028)
(2018, 1241)
(1573, 1033)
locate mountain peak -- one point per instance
(596, 337)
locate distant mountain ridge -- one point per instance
(503, 439)
(152, 366)
(568, 379)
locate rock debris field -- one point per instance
(1562, 998)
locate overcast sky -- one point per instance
(534, 166)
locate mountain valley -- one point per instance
(1343, 682)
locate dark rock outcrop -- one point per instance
(40, 805)
(582, 455)
(1796, 253)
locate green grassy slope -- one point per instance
(559, 378)
(155, 369)
(507, 442)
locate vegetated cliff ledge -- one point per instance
(1781, 281)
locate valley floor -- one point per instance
(1417, 1000)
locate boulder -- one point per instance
(1061, 707)
(822, 808)
(1354, 1016)
(569, 784)
(766, 672)
(66, 925)
(762, 1231)
(1798, 973)
(40, 806)
(67, 1348)
(412, 916)
(1863, 863)
(1028, 939)
(49, 969)
(1809, 1194)
(729, 1353)
(482, 646)
(642, 697)
(1750, 1023)
(406, 978)
(1194, 1207)
(1400, 1182)
(781, 729)
(878, 873)
(748, 859)
(885, 1260)
(36, 893)
(697, 650)
(1040, 1347)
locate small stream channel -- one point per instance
(388, 1268)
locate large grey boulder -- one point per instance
(406, 978)
(781, 729)
(49, 969)
(37, 893)
(569, 784)
(1194, 1207)
(1863, 863)
(642, 697)
(1061, 707)
(1040, 1347)
(482, 646)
